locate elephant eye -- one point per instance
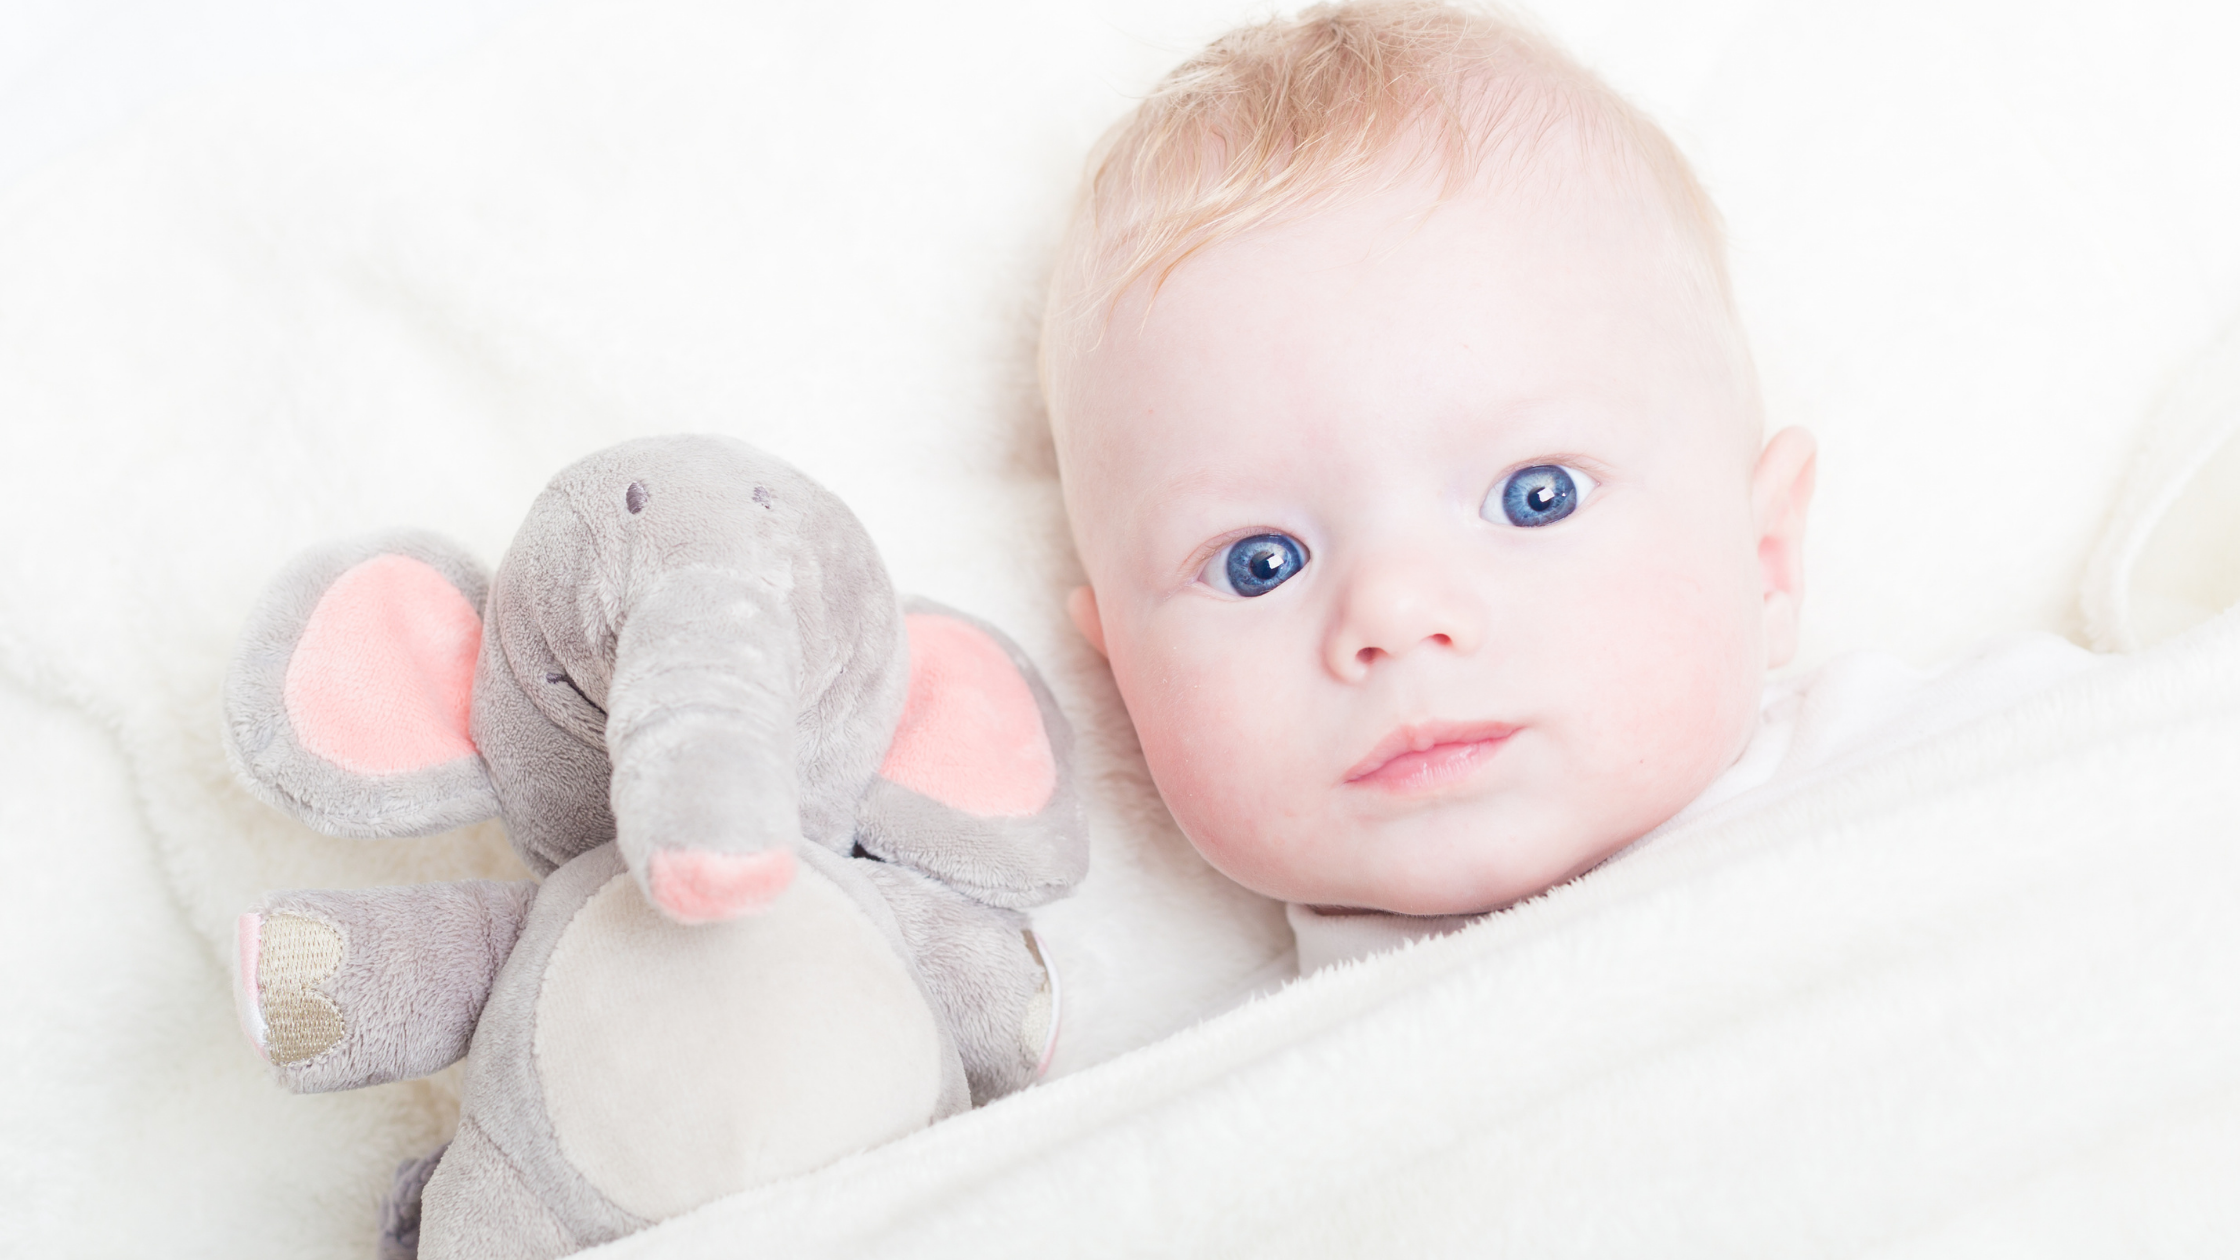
(635, 498)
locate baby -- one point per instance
(1414, 454)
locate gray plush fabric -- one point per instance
(504, 1187)
(861, 880)
(733, 643)
(1015, 862)
(418, 962)
(511, 1182)
(478, 1207)
(978, 972)
(551, 774)
(690, 645)
(400, 1212)
(262, 744)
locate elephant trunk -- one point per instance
(701, 720)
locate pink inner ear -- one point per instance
(381, 679)
(971, 735)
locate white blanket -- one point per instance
(1970, 242)
(1972, 999)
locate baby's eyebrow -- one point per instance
(1190, 503)
(1194, 481)
(1176, 525)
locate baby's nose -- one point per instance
(1390, 611)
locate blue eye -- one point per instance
(1540, 495)
(1256, 565)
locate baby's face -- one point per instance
(1434, 556)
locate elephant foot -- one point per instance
(400, 1212)
(691, 886)
(476, 1206)
(1038, 1031)
(282, 957)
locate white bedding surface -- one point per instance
(1971, 240)
(75, 72)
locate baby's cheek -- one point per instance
(1671, 706)
(1221, 741)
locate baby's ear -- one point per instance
(1780, 494)
(348, 700)
(977, 787)
(1081, 606)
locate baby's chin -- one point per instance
(1449, 892)
(1456, 864)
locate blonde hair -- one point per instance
(1275, 120)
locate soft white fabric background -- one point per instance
(73, 72)
(248, 301)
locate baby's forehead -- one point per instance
(1560, 199)
(1559, 265)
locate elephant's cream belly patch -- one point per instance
(681, 1063)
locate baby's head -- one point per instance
(1414, 455)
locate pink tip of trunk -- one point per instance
(695, 887)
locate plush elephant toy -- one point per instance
(785, 830)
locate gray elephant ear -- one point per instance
(348, 699)
(977, 788)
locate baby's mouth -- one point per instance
(1429, 755)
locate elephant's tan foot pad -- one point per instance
(283, 958)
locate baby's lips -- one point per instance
(1422, 737)
(692, 886)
